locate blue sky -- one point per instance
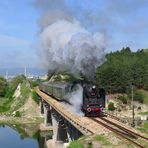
(18, 33)
(124, 23)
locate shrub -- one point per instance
(12, 85)
(138, 96)
(35, 97)
(119, 110)
(34, 83)
(17, 114)
(3, 86)
(111, 106)
(123, 99)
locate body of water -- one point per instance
(17, 138)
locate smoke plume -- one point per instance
(75, 98)
(65, 44)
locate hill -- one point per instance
(21, 105)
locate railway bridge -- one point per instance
(66, 125)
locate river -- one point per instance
(20, 137)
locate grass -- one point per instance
(144, 113)
(145, 94)
(83, 142)
(101, 138)
(11, 104)
(78, 143)
(144, 128)
(5, 104)
(35, 97)
(25, 91)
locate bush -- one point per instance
(138, 96)
(35, 97)
(17, 114)
(139, 108)
(3, 86)
(123, 99)
(34, 83)
(119, 110)
(12, 85)
(111, 106)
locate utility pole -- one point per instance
(133, 113)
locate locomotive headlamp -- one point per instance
(89, 109)
(94, 87)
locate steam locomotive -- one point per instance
(93, 100)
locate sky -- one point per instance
(124, 23)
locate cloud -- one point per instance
(15, 52)
(6, 40)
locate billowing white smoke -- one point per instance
(67, 46)
(76, 98)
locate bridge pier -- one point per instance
(46, 112)
(41, 107)
(47, 116)
(63, 130)
(73, 132)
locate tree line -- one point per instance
(123, 68)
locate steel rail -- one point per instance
(117, 132)
(125, 129)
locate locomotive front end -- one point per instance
(93, 101)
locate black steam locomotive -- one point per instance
(93, 98)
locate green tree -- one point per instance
(13, 85)
(3, 86)
(122, 68)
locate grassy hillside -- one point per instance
(8, 105)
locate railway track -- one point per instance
(123, 132)
(115, 117)
(124, 128)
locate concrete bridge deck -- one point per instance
(83, 124)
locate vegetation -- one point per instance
(123, 68)
(139, 96)
(25, 91)
(123, 99)
(10, 89)
(35, 97)
(13, 85)
(6, 105)
(144, 128)
(111, 106)
(77, 143)
(144, 95)
(3, 86)
(34, 83)
(102, 139)
(144, 113)
(17, 114)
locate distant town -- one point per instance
(29, 73)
